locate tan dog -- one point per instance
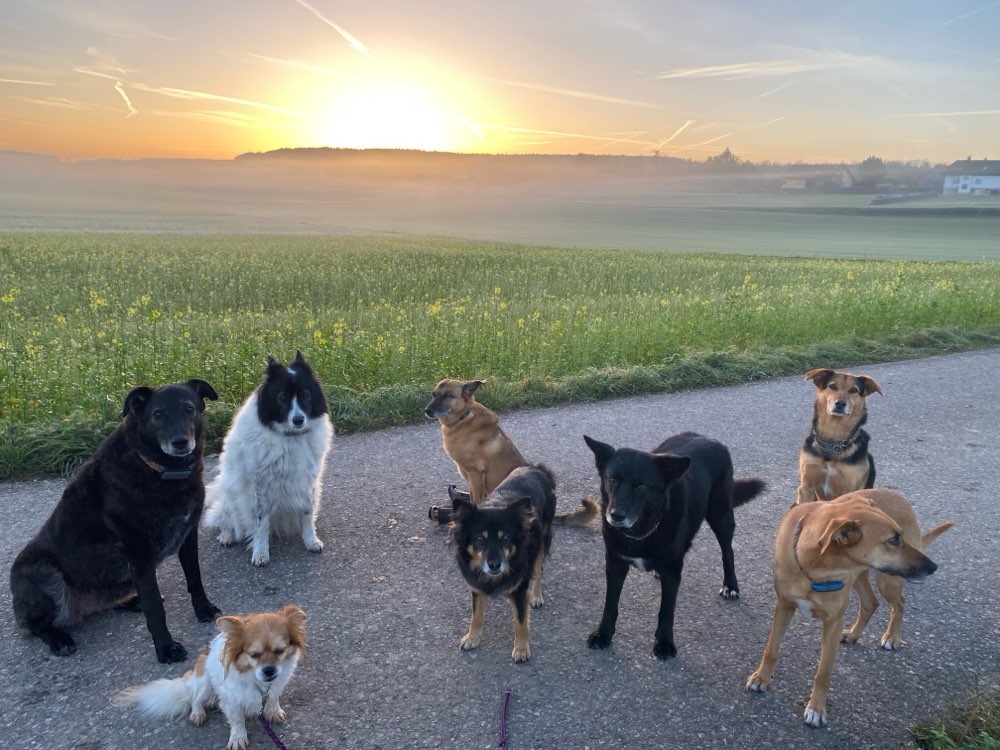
(482, 451)
(834, 459)
(821, 551)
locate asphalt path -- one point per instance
(387, 605)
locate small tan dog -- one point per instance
(821, 551)
(484, 454)
(834, 459)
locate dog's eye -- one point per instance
(853, 390)
(640, 489)
(255, 654)
(279, 651)
(505, 542)
(189, 409)
(893, 541)
(832, 386)
(479, 544)
(282, 398)
(159, 413)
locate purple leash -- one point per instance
(269, 731)
(502, 745)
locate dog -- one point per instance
(652, 505)
(243, 671)
(271, 469)
(484, 454)
(501, 545)
(834, 459)
(136, 501)
(823, 549)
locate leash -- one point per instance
(502, 744)
(265, 724)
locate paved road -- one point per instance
(386, 603)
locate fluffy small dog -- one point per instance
(243, 671)
(271, 471)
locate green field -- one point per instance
(86, 317)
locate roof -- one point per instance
(978, 167)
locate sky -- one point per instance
(796, 81)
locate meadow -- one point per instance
(86, 317)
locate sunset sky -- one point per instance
(781, 81)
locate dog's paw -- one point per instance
(197, 717)
(849, 636)
(597, 639)
(520, 655)
(729, 593)
(664, 650)
(61, 643)
(757, 683)
(260, 559)
(275, 717)
(314, 545)
(891, 643)
(226, 538)
(468, 642)
(206, 611)
(814, 718)
(536, 600)
(237, 740)
(170, 652)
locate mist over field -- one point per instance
(654, 203)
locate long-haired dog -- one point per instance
(243, 671)
(834, 458)
(500, 546)
(272, 462)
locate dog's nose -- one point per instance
(839, 405)
(179, 444)
(298, 420)
(428, 412)
(269, 672)
(617, 516)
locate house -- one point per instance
(968, 177)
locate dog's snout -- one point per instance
(298, 420)
(428, 412)
(269, 672)
(180, 444)
(617, 516)
(839, 404)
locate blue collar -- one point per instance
(820, 586)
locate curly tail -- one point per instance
(745, 490)
(582, 516)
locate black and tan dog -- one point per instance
(821, 551)
(834, 459)
(134, 503)
(484, 454)
(652, 506)
(501, 545)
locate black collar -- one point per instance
(165, 472)
(821, 586)
(465, 415)
(830, 447)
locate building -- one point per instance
(969, 177)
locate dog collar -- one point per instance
(835, 447)
(820, 586)
(465, 415)
(165, 472)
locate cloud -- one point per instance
(811, 62)
(26, 83)
(577, 94)
(676, 133)
(558, 133)
(128, 102)
(352, 40)
(104, 16)
(202, 96)
(969, 113)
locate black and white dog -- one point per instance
(271, 472)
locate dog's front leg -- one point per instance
(168, 650)
(615, 572)
(761, 678)
(670, 582)
(309, 539)
(815, 713)
(204, 610)
(233, 712)
(471, 639)
(522, 615)
(261, 551)
(273, 711)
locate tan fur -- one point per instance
(262, 638)
(840, 540)
(821, 479)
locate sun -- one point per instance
(392, 116)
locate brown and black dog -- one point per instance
(820, 552)
(484, 454)
(834, 459)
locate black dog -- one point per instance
(652, 506)
(500, 546)
(135, 502)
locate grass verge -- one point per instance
(975, 726)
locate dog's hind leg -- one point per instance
(308, 520)
(867, 604)
(471, 639)
(891, 587)
(39, 591)
(783, 610)
(535, 590)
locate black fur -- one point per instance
(282, 384)
(657, 502)
(522, 508)
(134, 503)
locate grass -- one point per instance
(975, 726)
(86, 317)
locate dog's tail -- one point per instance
(582, 516)
(928, 538)
(160, 697)
(745, 490)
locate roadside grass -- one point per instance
(86, 317)
(974, 726)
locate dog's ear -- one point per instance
(522, 507)
(868, 385)
(136, 400)
(471, 386)
(462, 509)
(602, 452)
(232, 627)
(203, 389)
(820, 376)
(842, 532)
(671, 467)
(296, 620)
(454, 492)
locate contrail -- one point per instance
(26, 83)
(950, 21)
(352, 40)
(128, 102)
(576, 94)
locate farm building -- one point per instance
(968, 177)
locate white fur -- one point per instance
(237, 694)
(269, 480)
